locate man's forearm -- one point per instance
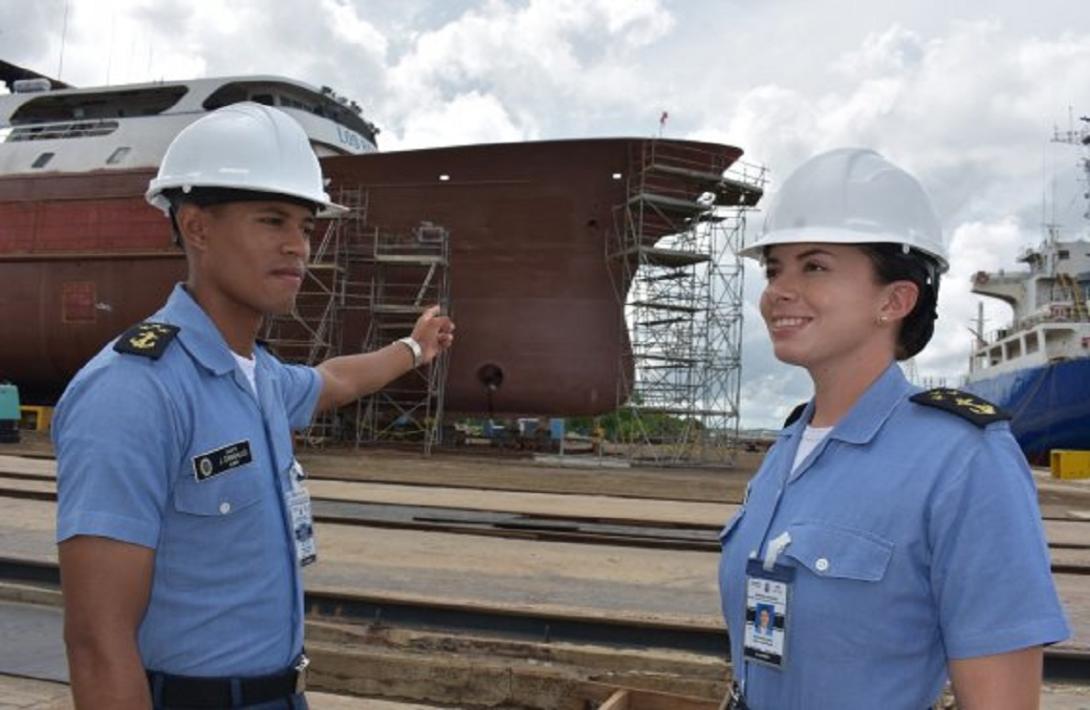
(349, 377)
(107, 675)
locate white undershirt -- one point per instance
(248, 365)
(811, 437)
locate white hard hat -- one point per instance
(852, 196)
(243, 146)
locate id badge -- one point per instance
(768, 596)
(302, 521)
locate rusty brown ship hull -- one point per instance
(82, 257)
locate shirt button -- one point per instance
(822, 564)
(225, 507)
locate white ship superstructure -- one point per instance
(130, 126)
(1049, 300)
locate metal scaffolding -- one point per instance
(409, 273)
(675, 245)
(362, 274)
(312, 333)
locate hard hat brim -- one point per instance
(831, 235)
(155, 197)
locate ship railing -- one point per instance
(425, 244)
(67, 129)
(1060, 317)
(694, 158)
(685, 181)
(752, 175)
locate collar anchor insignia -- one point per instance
(147, 339)
(967, 406)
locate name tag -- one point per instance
(767, 611)
(220, 460)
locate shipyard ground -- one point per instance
(476, 581)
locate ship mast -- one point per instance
(1079, 136)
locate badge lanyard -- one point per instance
(302, 521)
(768, 600)
(768, 594)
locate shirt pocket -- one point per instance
(222, 495)
(835, 552)
(846, 593)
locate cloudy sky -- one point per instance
(964, 94)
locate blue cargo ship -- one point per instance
(1038, 369)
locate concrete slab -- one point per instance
(33, 645)
(1065, 696)
(31, 694)
(594, 580)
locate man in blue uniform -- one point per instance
(183, 520)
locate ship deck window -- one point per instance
(995, 356)
(69, 129)
(1055, 337)
(118, 155)
(1033, 343)
(291, 96)
(61, 107)
(1013, 348)
(42, 160)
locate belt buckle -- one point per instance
(301, 674)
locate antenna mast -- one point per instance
(1079, 136)
(64, 37)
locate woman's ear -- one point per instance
(901, 298)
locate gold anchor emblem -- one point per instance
(146, 339)
(974, 406)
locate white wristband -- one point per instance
(414, 348)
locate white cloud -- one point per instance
(557, 58)
(351, 29)
(975, 246)
(892, 51)
(467, 118)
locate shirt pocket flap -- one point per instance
(831, 551)
(222, 495)
(731, 524)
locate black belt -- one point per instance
(196, 693)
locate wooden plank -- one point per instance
(23, 464)
(1068, 532)
(635, 699)
(1068, 558)
(8, 483)
(617, 701)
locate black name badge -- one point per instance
(223, 459)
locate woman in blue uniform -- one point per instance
(894, 533)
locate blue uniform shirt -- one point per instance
(915, 538)
(131, 433)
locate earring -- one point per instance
(881, 320)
